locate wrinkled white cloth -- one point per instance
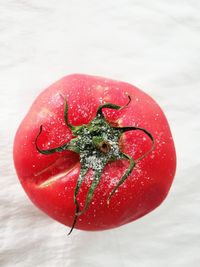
(152, 44)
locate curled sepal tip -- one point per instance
(75, 220)
(69, 146)
(112, 106)
(124, 177)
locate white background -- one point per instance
(154, 45)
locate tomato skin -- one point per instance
(50, 180)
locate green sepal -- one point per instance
(81, 177)
(125, 176)
(95, 182)
(112, 106)
(69, 146)
(134, 128)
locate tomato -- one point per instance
(95, 153)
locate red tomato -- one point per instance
(116, 167)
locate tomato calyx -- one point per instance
(97, 143)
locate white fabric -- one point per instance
(152, 44)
